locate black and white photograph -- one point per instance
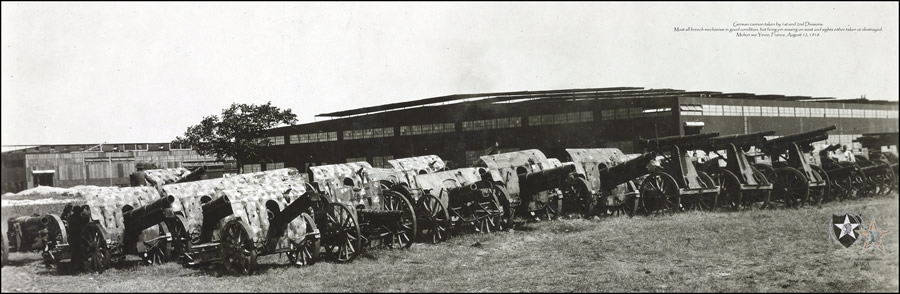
(449, 147)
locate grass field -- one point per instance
(783, 251)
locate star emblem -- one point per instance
(872, 236)
(846, 228)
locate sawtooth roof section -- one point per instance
(584, 94)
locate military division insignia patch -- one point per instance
(843, 228)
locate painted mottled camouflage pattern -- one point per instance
(166, 176)
(248, 194)
(106, 205)
(359, 190)
(502, 168)
(587, 163)
(410, 167)
(437, 183)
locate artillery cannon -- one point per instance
(610, 176)
(741, 185)
(880, 168)
(432, 218)
(31, 233)
(470, 196)
(677, 185)
(795, 181)
(235, 220)
(846, 179)
(532, 184)
(385, 217)
(109, 227)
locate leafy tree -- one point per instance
(239, 132)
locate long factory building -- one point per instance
(460, 128)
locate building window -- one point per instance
(177, 146)
(871, 113)
(274, 166)
(608, 114)
(801, 112)
(252, 168)
(559, 118)
(786, 111)
(817, 112)
(355, 159)
(294, 139)
(769, 111)
(368, 133)
(752, 111)
(858, 113)
(382, 161)
(845, 113)
(694, 109)
(276, 140)
(732, 110)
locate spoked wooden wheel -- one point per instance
(161, 250)
(730, 195)
(577, 192)
(488, 215)
(553, 209)
(181, 239)
(820, 194)
(842, 187)
(883, 181)
(238, 250)
(659, 194)
(341, 237)
(705, 201)
(858, 182)
(401, 236)
(759, 199)
(790, 188)
(435, 227)
(306, 252)
(95, 253)
(507, 214)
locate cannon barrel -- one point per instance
(293, 210)
(875, 140)
(626, 171)
(194, 175)
(468, 193)
(141, 218)
(831, 148)
(801, 137)
(217, 209)
(31, 221)
(546, 179)
(213, 211)
(739, 140)
(686, 141)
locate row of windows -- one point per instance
(355, 159)
(314, 137)
(633, 112)
(427, 129)
(377, 161)
(252, 168)
(737, 110)
(488, 124)
(382, 161)
(277, 140)
(560, 118)
(369, 133)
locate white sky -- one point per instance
(144, 72)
